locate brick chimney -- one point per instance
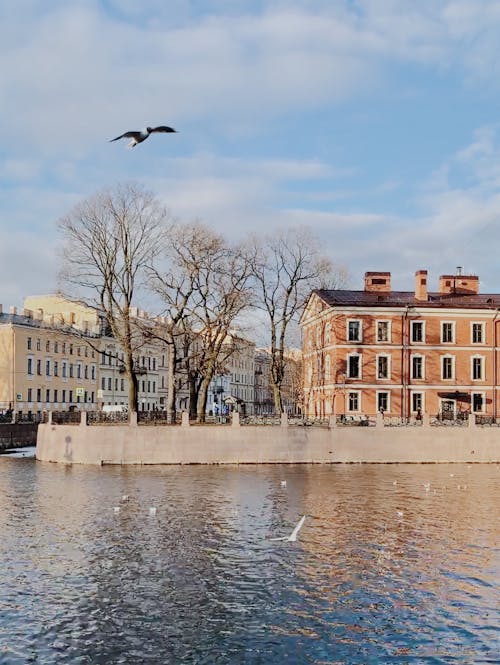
(421, 285)
(458, 283)
(378, 281)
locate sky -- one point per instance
(375, 123)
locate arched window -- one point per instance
(327, 368)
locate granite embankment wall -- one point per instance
(16, 435)
(254, 444)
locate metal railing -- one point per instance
(106, 417)
(66, 417)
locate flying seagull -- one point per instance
(139, 137)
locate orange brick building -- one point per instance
(403, 353)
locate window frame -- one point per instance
(358, 396)
(483, 402)
(360, 330)
(413, 325)
(413, 394)
(389, 331)
(453, 359)
(379, 393)
(377, 368)
(421, 357)
(357, 355)
(482, 325)
(482, 365)
(453, 325)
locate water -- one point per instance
(383, 571)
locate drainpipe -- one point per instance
(404, 363)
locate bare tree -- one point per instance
(204, 287)
(108, 240)
(286, 266)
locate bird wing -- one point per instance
(127, 135)
(163, 128)
(293, 536)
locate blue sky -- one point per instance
(374, 122)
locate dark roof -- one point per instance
(22, 320)
(404, 298)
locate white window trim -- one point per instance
(388, 393)
(453, 360)
(31, 376)
(483, 395)
(328, 333)
(453, 331)
(389, 331)
(389, 368)
(359, 394)
(417, 355)
(483, 367)
(417, 392)
(358, 341)
(483, 334)
(423, 331)
(360, 373)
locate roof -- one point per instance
(347, 298)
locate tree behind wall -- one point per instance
(108, 240)
(286, 266)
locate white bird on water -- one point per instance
(427, 486)
(152, 510)
(293, 536)
(283, 483)
(116, 509)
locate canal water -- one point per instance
(393, 564)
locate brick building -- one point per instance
(403, 353)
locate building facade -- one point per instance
(44, 365)
(402, 353)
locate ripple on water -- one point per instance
(201, 581)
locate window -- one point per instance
(39, 367)
(47, 346)
(477, 402)
(328, 333)
(56, 347)
(417, 331)
(447, 367)
(38, 394)
(30, 394)
(353, 401)
(417, 367)
(70, 399)
(154, 387)
(103, 358)
(383, 331)
(47, 368)
(109, 383)
(79, 370)
(382, 367)
(30, 366)
(47, 395)
(63, 399)
(103, 383)
(382, 401)
(116, 384)
(86, 372)
(92, 372)
(64, 369)
(353, 366)
(477, 369)
(71, 370)
(55, 395)
(71, 349)
(154, 364)
(56, 368)
(38, 344)
(122, 384)
(417, 402)
(29, 343)
(478, 333)
(447, 332)
(64, 347)
(354, 331)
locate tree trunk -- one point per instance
(172, 359)
(202, 399)
(278, 401)
(193, 396)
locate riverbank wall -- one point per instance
(17, 435)
(260, 444)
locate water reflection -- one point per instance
(384, 570)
